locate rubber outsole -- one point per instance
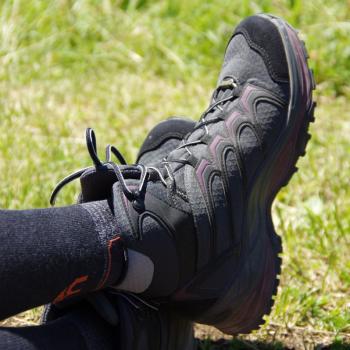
(301, 143)
(238, 321)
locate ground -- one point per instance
(120, 67)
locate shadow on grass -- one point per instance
(237, 344)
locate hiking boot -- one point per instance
(201, 219)
(220, 261)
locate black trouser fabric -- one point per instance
(81, 329)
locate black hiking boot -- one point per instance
(202, 218)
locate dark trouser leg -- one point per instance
(81, 329)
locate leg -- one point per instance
(50, 254)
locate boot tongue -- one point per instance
(97, 184)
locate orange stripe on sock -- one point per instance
(69, 291)
(109, 264)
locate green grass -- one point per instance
(120, 67)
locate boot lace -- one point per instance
(228, 83)
(140, 171)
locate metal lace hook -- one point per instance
(127, 192)
(143, 176)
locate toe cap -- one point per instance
(263, 37)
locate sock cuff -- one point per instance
(105, 222)
(115, 257)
